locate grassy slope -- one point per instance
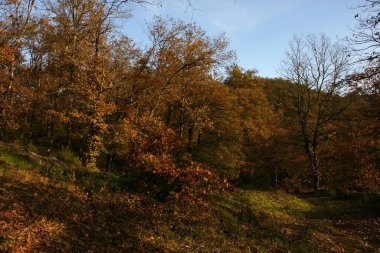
(46, 207)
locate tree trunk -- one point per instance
(32, 116)
(50, 139)
(109, 159)
(169, 115)
(316, 171)
(190, 138)
(275, 176)
(313, 160)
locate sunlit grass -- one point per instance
(277, 202)
(14, 160)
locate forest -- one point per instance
(108, 146)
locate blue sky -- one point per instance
(259, 30)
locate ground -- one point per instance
(49, 205)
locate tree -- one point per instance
(174, 76)
(366, 36)
(366, 43)
(317, 68)
(16, 21)
(81, 69)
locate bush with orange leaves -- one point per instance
(152, 167)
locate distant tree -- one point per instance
(175, 78)
(366, 36)
(242, 123)
(317, 69)
(366, 44)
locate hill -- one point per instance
(50, 204)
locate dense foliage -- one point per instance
(165, 114)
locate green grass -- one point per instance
(10, 161)
(278, 202)
(68, 168)
(69, 157)
(13, 160)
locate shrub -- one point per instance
(69, 157)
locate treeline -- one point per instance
(69, 80)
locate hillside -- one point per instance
(54, 205)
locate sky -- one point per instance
(259, 31)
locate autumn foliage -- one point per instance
(180, 113)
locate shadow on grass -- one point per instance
(279, 222)
(42, 217)
(353, 219)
